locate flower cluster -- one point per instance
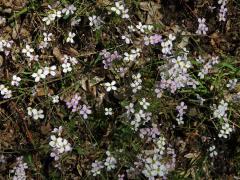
(15, 80)
(220, 112)
(96, 167)
(202, 27)
(73, 103)
(5, 92)
(110, 163)
(36, 114)
(19, 169)
(155, 163)
(68, 62)
(154, 167)
(47, 37)
(153, 39)
(150, 133)
(95, 21)
(175, 77)
(59, 145)
(138, 118)
(168, 45)
(108, 58)
(42, 73)
(83, 109)
(161, 142)
(223, 10)
(143, 28)
(208, 66)
(180, 108)
(225, 130)
(119, 9)
(127, 38)
(5, 46)
(132, 56)
(137, 83)
(52, 16)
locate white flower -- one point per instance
(58, 130)
(225, 130)
(73, 60)
(202, 27)
(55, 99)
(130, 108)
(223, 10)
(15, 80)
(108, 111)
(144, 103)
(36, 114)
(55, 14)
(28, 51)
(39, 75)
(131, 28)
(232, 84)
(168, 45)
(47, 20)
(59, 145)
(220, 111)
(96, 167)
(180, 120)
(5, 92)
(127, 38)
(171, 37)
(66, 67)
(212, 151)
(125, 14)
(52, 70)
(47, 37)
(140, 27)
(34, 58)
(110, 162)
(95, 21)
(135, 53)
(137, 83)
(75, 22)
(144, 28)
(111, 86)
(53, 141)
(119, 9)
(70, 37)
(161, 145)
(2, 20)
(69, 10)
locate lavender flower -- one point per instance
(85, 111)
(202, 27)
(108, 58)
(73, 103)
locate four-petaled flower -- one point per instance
(111, 86)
